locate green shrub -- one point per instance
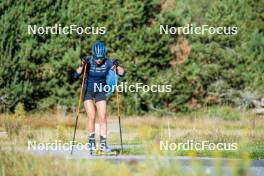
(20, 111)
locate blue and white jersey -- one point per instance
(96, 74)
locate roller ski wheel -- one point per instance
(113, 152)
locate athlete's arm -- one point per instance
(79, 70)
(120, 70)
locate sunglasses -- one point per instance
(99, 58)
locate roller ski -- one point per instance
(107, 152)
(104, 149)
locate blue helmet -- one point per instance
(98, 50)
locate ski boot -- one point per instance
(104, 149)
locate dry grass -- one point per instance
(198, 126)
(24, 164)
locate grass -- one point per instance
(217, 124)
(197, 126)
(13, 163)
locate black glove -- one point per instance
(115, 62)
(84, 61)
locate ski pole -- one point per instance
(78, 109)
(118, 111)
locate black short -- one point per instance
(97, 96)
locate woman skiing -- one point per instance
(98, 66)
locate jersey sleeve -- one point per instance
(109, 64)
(75, 74)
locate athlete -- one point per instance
(94, 98)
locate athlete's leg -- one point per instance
(90, 111)
(101, 109)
